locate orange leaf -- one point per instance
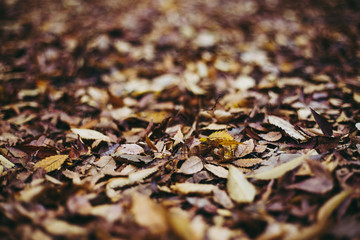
(51, 163)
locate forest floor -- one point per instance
(179, 119)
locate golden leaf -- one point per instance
(222, 138)
(239, 188)
(51, 163)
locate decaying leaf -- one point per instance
(129, 149)
(51, 163)
(132, 157)
(191, 165)
(6, 163)
(239, 188)
(90, 134)
(188, 188)
(218, 171)
(280, 170)
(286, 126)
(245, 148)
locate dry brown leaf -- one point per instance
(150, 143)
(247, 162)
(271, 136)
(238, 187)
(280, 170)
(129, 149)
(286, 126)
(51, 163)
(188, 188)
(191, 165)
(90, 134)
(149, 214)
(245, 148)
(218, 171)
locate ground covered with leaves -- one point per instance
(179, 119)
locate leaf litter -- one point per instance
(186, 120)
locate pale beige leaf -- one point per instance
(62, 228)
(244, 149)
(6, 163)
(192, 165)
(239, 188)
(187, 188)
(222, 198)
(179, 136)
(149, 214)
(247, 162)
(271, 136)
(111, 212)
(280, 170)
(90, 134)
(218, 171)
(129, 149)
(51, 163)
(331, 204)
(142, 174)
(286, 126)
(215, 126)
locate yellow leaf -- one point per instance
(222, 138)
(280, 170)
(51, 163)
(239, 188)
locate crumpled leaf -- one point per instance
(191, 165)
(280, 170)
(239, 188)
(323, 123)
(286, 126)
(90, 134)
(51, 163)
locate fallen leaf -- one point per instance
(188, 188)
(129, 149)
(247, 162)
(323, 123)
(280, 170)
(218, 171)
(271, 136)
(51, 163)
(191, 165)
(6, 163)
(149, 214)
(286, 126)
(239, 188)
(62, 228)
(90, 134)
(326, 210)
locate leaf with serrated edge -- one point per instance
(280, 170)
(192, 165)
(51, 163)
(286, 126)
(239, 188)
(90, 134)
(188, 188)
(247, 162)
(218, 171)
